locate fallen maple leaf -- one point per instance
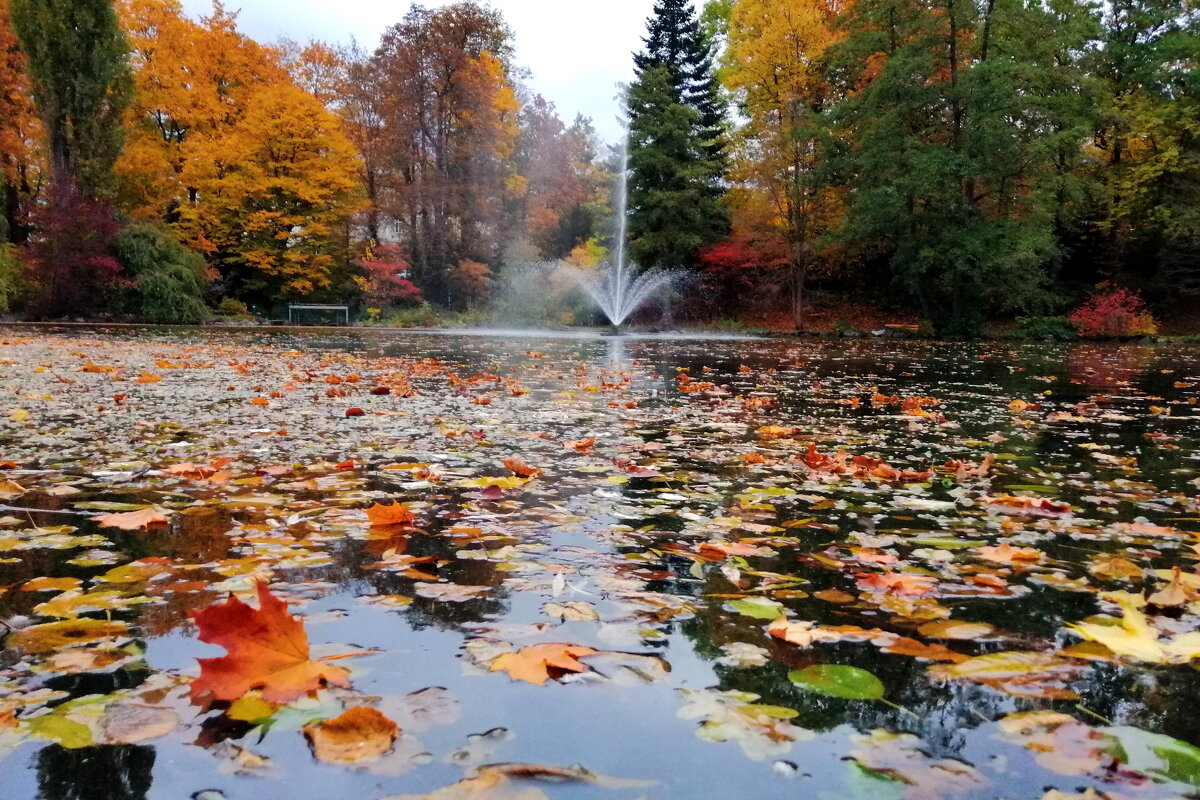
(534, 664)
(1037, 506)
(519, 468)
(394, 514)
(359, 734)
(267, 649)
(133, 520)
(898, 583)
(581, 445)
(1007, 554)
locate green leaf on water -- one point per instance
(757, 607)
(838, 680)
(1156, 754)
(946, 542)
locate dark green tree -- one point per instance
(672, 212)
(958, 117)
(676, 142)
(78, 65)
(674, 38)
(168, 278)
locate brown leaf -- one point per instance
(133, 520)
(127, 723)
(359, 734)
(53, 635)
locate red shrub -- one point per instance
(387, 283)
(1113, 311)
(741, 276)
(70, 258)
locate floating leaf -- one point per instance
(838, 680)
(539, 662)
(133, 520)
(757, 607)
(393, 514)
(267, 648)
(359, 734)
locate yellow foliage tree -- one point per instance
(772, 66)
(246, 166)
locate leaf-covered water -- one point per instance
(707, 569)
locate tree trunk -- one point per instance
(799, 275)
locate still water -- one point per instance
(712, 505)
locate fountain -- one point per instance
(619, 288)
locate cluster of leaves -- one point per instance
(770, 543)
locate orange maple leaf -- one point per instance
(533, 664)
(267, 649)
(133, 520)
(519, 468)
(581, 445)
(395, 514)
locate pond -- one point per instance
(615, 568)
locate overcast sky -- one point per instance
(577, 50)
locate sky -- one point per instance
(577, 50)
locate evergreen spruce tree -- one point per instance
(676, 142)
(78, 62)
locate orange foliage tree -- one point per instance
(22, 159)
(448, 130)
(246, 166)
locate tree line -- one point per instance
(970, 157)
(967, 158)
(150, 162)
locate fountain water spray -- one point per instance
(618, 288)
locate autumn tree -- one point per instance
(1146, 145)
(361, 106)
(245, 166)
(78, 64)
(547, 186)
(22, 168)
(774, 67)
(450, 127)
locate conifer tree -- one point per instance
(676, 142)
(672, 213)
(675, 39)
